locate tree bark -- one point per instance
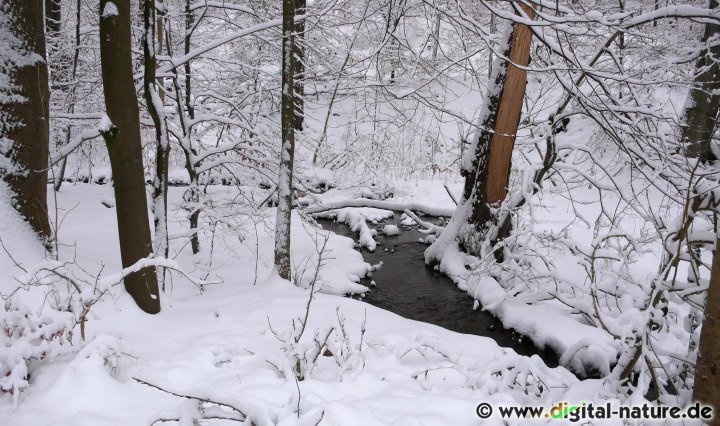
(53, 15)
(299, 65)
(287, 150)
(707, 366)
(508, 120)
(699, 124)
(193, 194)
(60, 176)
(156, 110)
(30, 138)
(487, 179)
(436, 41)
(125, 151)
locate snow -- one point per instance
(105, 124)
(593, 268)
(581, 346)
(110, 10)
(391, 230)
(382, 369)
(357, 218)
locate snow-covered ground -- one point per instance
(236, 342)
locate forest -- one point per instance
(374, 212)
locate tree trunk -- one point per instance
(30, 138)
(508, 119)
(193, 194)
(490, 52)
(156, 109)
(60, 177)
(53, 15)
(287, 150)
(160, 34)
(703, 101)
(125, 151)
(487, 178)
(299, 65)
(707, 366)
(189, 23)
(436, 41)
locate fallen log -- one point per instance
(380, 204)
(429, 227)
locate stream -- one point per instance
(406, 286)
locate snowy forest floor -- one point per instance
(237, 341)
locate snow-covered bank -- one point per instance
(237, 342)
(229, 344)
(582, 347)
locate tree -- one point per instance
(53, 15)
(696, 134)
(60, 173)
(704, 100)
(487, 177)
(122, 137)
(299, 64)
(287, 149)
(192, 195)
(26, 117)
(156, 109)
(707, 366)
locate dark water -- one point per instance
(407, 287)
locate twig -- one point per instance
(196, 398)
(452, 197)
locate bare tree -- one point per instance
(192, 195)
(60, 174)
(299, 64)
(696, 135)
(122, 136)
(53, 15)
(703, 101)
(287, 149)
(30, 112)
(487, 177)
(707, 366)
(156, 110)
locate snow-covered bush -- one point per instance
(30, 336)
(26, 338)
(303, 358)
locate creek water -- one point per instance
(406, 286)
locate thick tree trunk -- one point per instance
(490, 52)
(125, 151)
(704, 100)
(487, 177)
(707, 366)
(508, 119)
(287, 150)
(299, 65)
(30, 137)
(156, 109)
(696, 135)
